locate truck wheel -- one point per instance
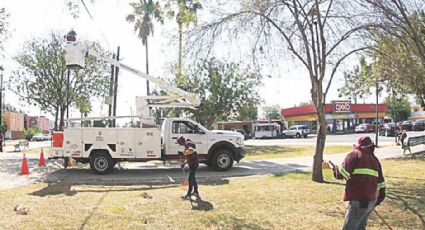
(222, 160)
(101, 163)
(298, 135)
(305, 135)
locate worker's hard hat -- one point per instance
(364, 142)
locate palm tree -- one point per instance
(185, 16)
(143, 12)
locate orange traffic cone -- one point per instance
(24, 168)
(42, 162)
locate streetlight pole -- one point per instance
(377, 115)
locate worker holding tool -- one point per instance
(193, 162)
(365, 187)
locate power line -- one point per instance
(91, 17)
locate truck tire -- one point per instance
(298, 135)
(101, 163)
(222, 160)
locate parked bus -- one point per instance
(266, 130)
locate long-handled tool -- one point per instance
(184, 182)
(382, 219)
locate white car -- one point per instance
(297, 131)
(47, 136)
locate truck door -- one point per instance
(190, 131)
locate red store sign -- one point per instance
(341, 106)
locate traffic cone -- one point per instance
(41, 162)
(24, 168)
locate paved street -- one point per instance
(348, 139)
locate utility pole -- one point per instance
(116, 87)
(111, 87)
(67, 93)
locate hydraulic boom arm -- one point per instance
(75, 53)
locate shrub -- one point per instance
(28, 133)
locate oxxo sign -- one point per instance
(342, 106)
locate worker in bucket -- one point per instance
(192, 160)
(365, 187)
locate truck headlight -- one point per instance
(239, 141)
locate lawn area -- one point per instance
(288, 201)
(279, 151)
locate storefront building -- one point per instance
(340, 115)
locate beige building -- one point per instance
(14, 123)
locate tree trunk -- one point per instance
(56, 118)
(62, 116)
(147, 66)
(179, 68)
(318, 100)
(320, 145)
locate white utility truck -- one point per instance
(104, 147)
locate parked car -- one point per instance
(406, 125)
(296, 131)
(364, 128)
(419, 125)
(388, 129)
(47, 136)
(38, 137)
(242, 131)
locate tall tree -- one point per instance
(3, 27)
(225, 88)
(42, 80)
(248, 112)
(399, 54)
(272, 112)
(358, 82)
(319, 34)
(143, 12)
(398, 107)
(187, 10)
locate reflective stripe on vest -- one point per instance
(381, 185)
(344, 173)
(365, 171)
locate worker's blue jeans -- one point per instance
(192, 181)
(357, 214)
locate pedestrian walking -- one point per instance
(192, 160)
(365, 187)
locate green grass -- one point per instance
(268, 152)
(288, 201)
